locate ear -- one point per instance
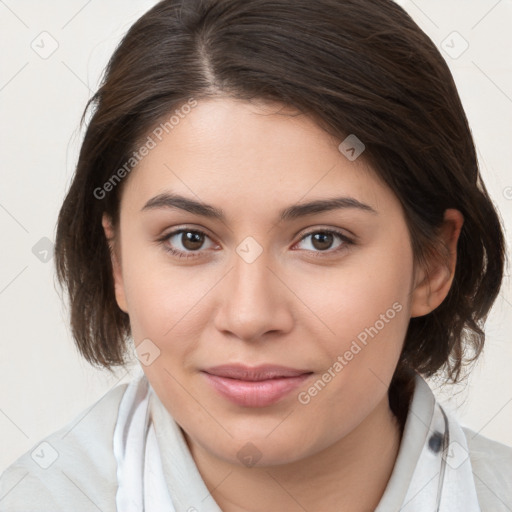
(115, 256)
(433, 283)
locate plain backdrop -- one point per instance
(53, 54)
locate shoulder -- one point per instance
(71, 469)
(491, 462)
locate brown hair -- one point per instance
(356, 66)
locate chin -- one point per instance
(254, 449)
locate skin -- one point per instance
(287, 307)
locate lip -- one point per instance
(257, 386)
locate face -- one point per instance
(325, 292)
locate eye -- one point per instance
(189, 243)
(184, 242)
(323, 240)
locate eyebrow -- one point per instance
(175, 201)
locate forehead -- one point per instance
(260, 154)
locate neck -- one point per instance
(350, 475)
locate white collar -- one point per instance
(432, 472)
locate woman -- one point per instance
(279, 202)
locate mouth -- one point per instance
(259, 386)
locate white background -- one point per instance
(44, 383)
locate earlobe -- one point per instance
(116, 262)
(433, 283)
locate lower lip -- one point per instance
(255, 393)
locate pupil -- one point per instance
(322, 240)
(192, 240)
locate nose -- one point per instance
(254, 301)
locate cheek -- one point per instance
(161, 304)
(365, 303)
(164, 301)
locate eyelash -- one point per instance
(181, 254)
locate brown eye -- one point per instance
(325, 241)
(192, 240)
(322, 241)
(185, 242)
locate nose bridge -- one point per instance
(252, 276)
(252, 302)
(252, 287)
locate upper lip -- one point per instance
(254, 373)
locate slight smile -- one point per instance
(255, 386)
